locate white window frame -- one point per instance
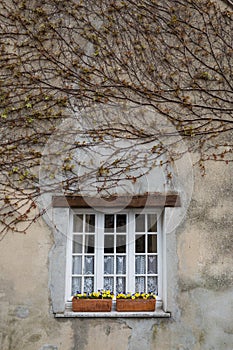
(98, 277)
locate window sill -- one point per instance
(158, 313)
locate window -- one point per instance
(121, 251)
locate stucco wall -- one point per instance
(200, 278)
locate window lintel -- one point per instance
(153, 200)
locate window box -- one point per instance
(91, 305)
(135, 305)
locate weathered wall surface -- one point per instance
(25, 318)
(199, 296)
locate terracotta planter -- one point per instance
(125, 305)
(91, 305)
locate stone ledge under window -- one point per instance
(158, 313)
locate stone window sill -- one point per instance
(158, 313)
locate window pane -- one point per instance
(109, 283)
(121, 223)
(90, 223)
(89, 244)
(77, 265)
(120, 265)
(140, 264)
(88, 284)
(120, 285)
(109, 223)
(151, 223)
(152, 264)
(78, 223)
(89, 265)
(76, 285)
(152, 243)
(140, 284)
(152, 285)
(77, 244)
(140, 244)
(121, 244)
(109, 244)
(140, 222)
(108, 265)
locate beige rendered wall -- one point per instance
(201, 288)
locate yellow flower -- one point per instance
(121, 296)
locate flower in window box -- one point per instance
(136, 295)
(100, 301)
(135, 302)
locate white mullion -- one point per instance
(126, 274)
(84, 248)
(83, 260)
(146, 253)
(83, 241)
(114, 255)
(130, 257)
(99, 252)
